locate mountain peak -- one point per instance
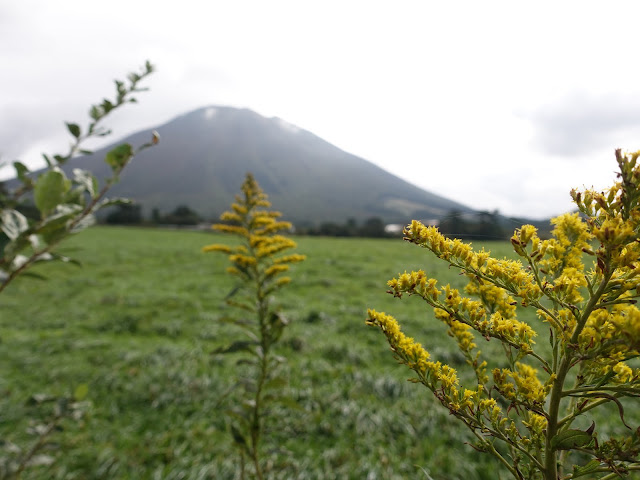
(204, 155)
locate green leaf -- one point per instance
(290, 403)
(13, 223)
(55, 226)
(21, 171)
(86, 222)
(570, 439)
(590, 467)
(74, 129)
(50, 190)
(238, 438)
(119, 156)
(60, 159)
(75, 196)
(87, 180)
(239, 346)
(48, 160)
(108, 202)
(94, 112)
(107, 106)
(81, 392)
(33, 274)
(277, 383)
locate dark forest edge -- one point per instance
(482, 225)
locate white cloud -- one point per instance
(583, 122)
(494, 104)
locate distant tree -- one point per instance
(453, 224)
(481, 226)
(182, 215)
(352, 226)
(155, 216)
(488, 227)
(332, 229)
(125, 214)
(373, 227)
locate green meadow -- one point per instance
(139, 321)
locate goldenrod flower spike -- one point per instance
(259, 263)
(591, 318)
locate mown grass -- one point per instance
(138, 323)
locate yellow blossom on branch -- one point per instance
(583, 283)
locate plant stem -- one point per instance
(256, 427)
(551, 464)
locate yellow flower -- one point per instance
(537, 424)
(434, 374)
(243, 260)
(217, 248)
(275, 269)
(293, 258)
(624, 374)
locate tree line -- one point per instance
(473, 226)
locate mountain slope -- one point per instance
(204, 155)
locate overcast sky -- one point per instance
(498, 105)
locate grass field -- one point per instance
(137, 323)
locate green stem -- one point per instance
(497, 454)
(256, 426)
(611, 476)
(618, 389)
(472, 423)
(35, 447)
(586, 408)
(551, 466)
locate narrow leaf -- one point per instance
(108, 202)
(21, 171)
(590, 467)
(74, 129)
(238, 438)
(233, 291)
(277, 382)
(94, 112)
(32, 274)
(239, 346)
(570, 439)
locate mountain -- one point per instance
(203, 156)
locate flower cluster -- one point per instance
(489, 321)
(525, 387)
(256, 258)
(594, 334)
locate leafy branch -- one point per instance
(65, 206)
